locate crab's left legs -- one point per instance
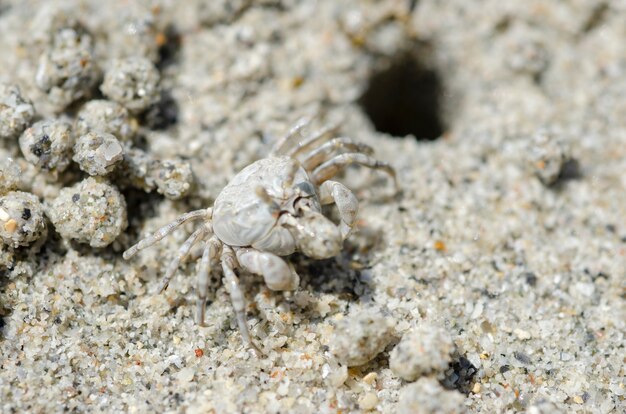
(236, 295)
(331, 167)
(276, 272)
(346, 201)
(209, 255)
(182, 254)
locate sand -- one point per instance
(499, 267)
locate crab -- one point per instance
(271, 209)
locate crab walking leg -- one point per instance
(331, 167)
(346, 201)
(236, 295)
(295, 130)
(317, 156)
(278, 275)
(165, 230)
(182, 254)
(321, 135)
(209, 255)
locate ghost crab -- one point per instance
(270, 209)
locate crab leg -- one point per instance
(317, 156)
(209, 255)
(300, 124)
(278, 275)
(236, 295)
(331, 167)
(182, 254)
(346, 201)
(165, 230)
(321, 135)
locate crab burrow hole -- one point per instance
(404, 97)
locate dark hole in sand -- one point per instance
(405, 98)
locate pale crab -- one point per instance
(272, 208)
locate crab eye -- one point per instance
(305, 188)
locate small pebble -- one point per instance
(521, 334)
(98, 153)
(544, 407)
(55, 26)
(370, 378)
(368, 401)
(549, 155)
(426, 349)
(136, 34)
(67, 71)
(48, 145)
(16, 112)
(522, 357)
(173, 177)
(440, 246)
(185, 374)
(105, 116)
(427, 396)
(10, 225)
(334, 373)
(132, 82)
(9, 174)
(361, 336)
(91, 211)
(22, 219)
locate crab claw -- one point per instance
(315, 235)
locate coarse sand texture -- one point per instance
(493, 281)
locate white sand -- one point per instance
(528, 280)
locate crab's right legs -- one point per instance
(278, 275)
(165, 230)
(236, 295)
(209, 255)
(346, 201)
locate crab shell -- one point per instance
(242, 218)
